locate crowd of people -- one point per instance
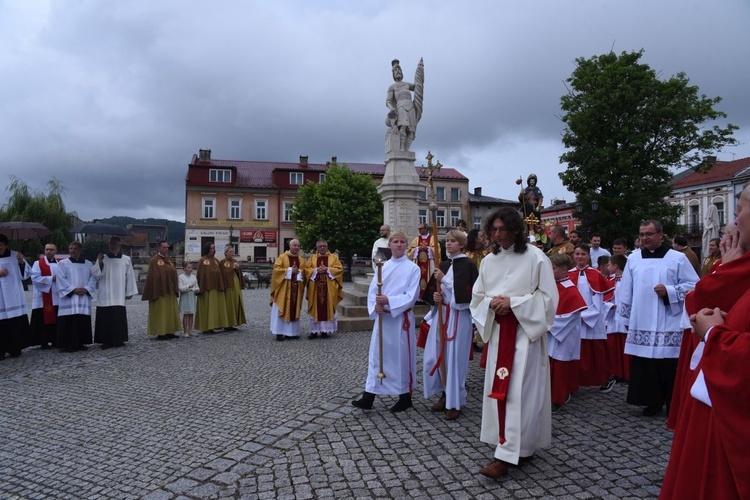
(672, 327)
(677, 330)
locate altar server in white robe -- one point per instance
(14, 319)
(76, 286)
(653, 286)
(114, 273)
(45, 299)
(449, 358)
(513, 305)
(400, 291)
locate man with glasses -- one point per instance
(654, 284)
(513, 305)
(422, 251)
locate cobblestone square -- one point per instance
(239, 415)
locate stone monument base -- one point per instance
(400, 191)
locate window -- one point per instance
(423, 216)
(288, 206)
(235, 209)
(477, 223)
(322, 177)
(694, 220)
(455, 194)
(720, 209)
(260, 209)
(423, 194)
(440, 193)
(209, 204)
(296, 178)
(220, 175)
(455, 215)
(440, 217)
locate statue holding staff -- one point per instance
(403, 112)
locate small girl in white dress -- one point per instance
(188, 286)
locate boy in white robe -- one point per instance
(393, 306)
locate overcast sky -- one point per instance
(114, 97)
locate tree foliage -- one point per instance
(345, 209)
(625, 130)
(48, 208)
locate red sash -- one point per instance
(406, 327)
(506, 348)
(444, 333)
(48, 308)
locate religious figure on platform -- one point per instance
(531, 197)
(403, 112)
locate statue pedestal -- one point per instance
(400, 191)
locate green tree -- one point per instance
(48, 208)
(345, 210)
(626, 129)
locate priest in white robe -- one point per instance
(116, 284)
(400, 290)
(45, 299)
(513, 305)
(653, 286)
(76, 287)
(14, 319)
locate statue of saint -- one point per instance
(531, 198)
(403, 112)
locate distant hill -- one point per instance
(175, 229)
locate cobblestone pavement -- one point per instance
(239, 415)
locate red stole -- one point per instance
(406, 327)
(293, 289)
(321, 290)
(48, 309)
(596, 280)
(444, 333)
(506, 348)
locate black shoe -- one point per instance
(312, 336)
(295, 337)
(230, 329)
(365, 402)
(556, 408)
(279, 337)
(403, 403)
(608, 385)
(476, 347)
(650, 411)
(323, 335)
(162, 337)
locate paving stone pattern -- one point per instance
(240, 415)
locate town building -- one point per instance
(250, 202)
(480, 205)
(696, 191)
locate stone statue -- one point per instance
(403, 112)
(531, 198)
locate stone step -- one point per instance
(350, 324)
(355, 297)
(349, 310)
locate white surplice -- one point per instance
(70, 276)
(12, 298)
(116, 281)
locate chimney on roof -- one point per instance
(204, 155)
(478, 191)
(303, 160)
(334, 160)
(709, 160)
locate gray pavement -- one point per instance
(239, 415)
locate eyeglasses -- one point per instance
(646, 235)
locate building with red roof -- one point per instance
(696, 191)
(250, 202)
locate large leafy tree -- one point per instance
(626, 129)
(46, 207)
(345, 209)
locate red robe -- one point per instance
(721, 288)
(709, 457)
(564, 374)
(594, 364)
